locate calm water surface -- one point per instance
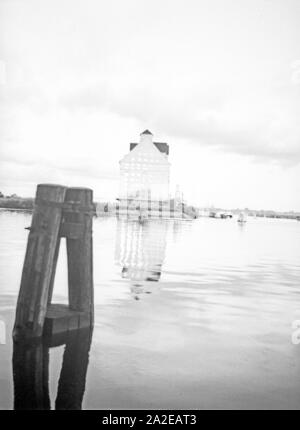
(188, 314)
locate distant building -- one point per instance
(145, 171)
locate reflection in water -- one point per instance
(31, 375)
(31, 371)
(140, 250)
(178, 230)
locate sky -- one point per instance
(218, 80)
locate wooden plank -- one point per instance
(39, 262)
(61, 319)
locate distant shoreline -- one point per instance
(16, 203)
(27, 204)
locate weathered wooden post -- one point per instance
(76, 227)
(78, 214)
(38, 264)
(59, 212)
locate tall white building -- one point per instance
(145, 171)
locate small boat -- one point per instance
(242, 218)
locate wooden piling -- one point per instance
(80, 248)
(59, 212)
(76, 227)
(38, 263)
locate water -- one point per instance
(188, 314)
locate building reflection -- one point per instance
(31, 371)
(140, 251)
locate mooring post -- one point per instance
(38, 263)
(59, 212)
(76, 227)
(79, 216)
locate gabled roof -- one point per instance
(161, 146)
(147, 132)
(146, 150)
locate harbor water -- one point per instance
(188, 314)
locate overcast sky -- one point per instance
(219, 80)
